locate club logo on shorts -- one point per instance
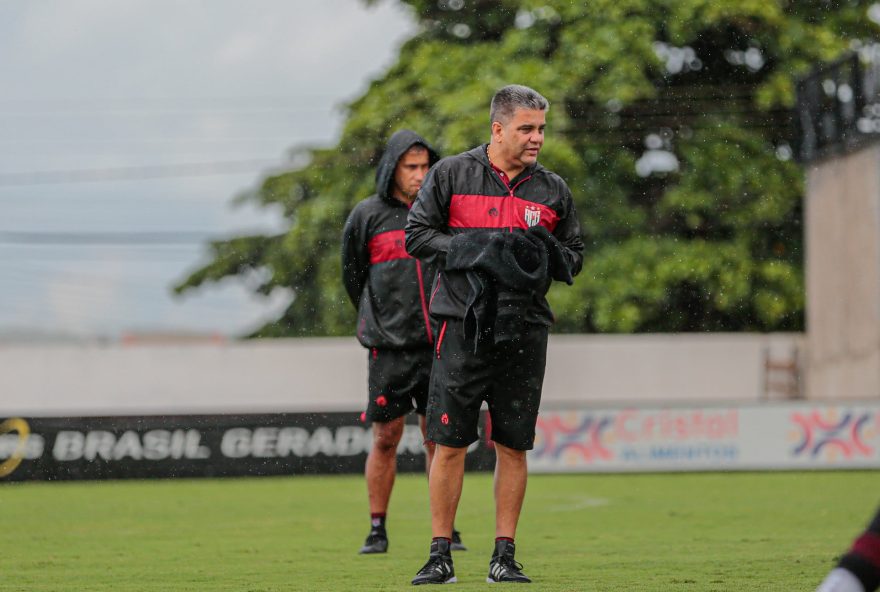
(444, 419)
(532, 215)
(381, 401)
(493, 212)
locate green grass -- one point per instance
(693, 532)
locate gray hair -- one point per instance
(512, 97)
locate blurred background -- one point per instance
(175, 177)
(129, 128)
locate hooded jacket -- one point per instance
(389, 288)
(463, 194)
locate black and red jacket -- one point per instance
(389, 288)
(463, 193)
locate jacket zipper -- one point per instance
(440, 338)
(511, 190)
(424, 304)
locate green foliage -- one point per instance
(712, 244)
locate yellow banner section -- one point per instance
(20, 426)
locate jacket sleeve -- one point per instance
(568, 232)
(427, 234)
(355, 256)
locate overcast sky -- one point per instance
(99, 94)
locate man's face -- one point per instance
(521, 138)
(409, 174)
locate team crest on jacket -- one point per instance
(532, 215)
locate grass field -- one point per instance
(694, 532)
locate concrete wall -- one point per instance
(842, 213)
(330, 374)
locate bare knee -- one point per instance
(509, 455)
(386, 436)
(448, 454)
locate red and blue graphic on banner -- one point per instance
(835, 434)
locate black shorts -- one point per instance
(398, 382)
(508, 376)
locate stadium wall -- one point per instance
(329, 374)
(612, 403)
(769, 436)
(842, 213)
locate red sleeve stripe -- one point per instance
(387, 246)
(498, 211)
(868, 546)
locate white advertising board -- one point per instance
(758, 437)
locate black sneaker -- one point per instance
(377, 542)
(457, 545)
(439, 568)
(502, 566)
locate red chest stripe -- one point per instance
(498, 211)
(387, 246)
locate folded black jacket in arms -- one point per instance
(506, 271)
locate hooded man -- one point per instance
(390, 290)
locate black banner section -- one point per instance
(49, 449)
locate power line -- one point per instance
(167, 111)
(160, 238)
(144, 140)
(137, 173)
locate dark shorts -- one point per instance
(398, 381)
(508, 376)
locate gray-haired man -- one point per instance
(500, 227)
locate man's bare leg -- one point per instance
(380, 471)
(511, 474)
(429, 446)
(381, 468)
(447, 475)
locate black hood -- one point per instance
(398, 144)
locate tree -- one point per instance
(670, 120)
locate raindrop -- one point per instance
(656, 161)
(874, 13)
(753, 58)
(661, 49)
(734, 57)
(783, 152)
(461, 30)
(524, 19)
(845, 93)
(653, 141)
(829, 86)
